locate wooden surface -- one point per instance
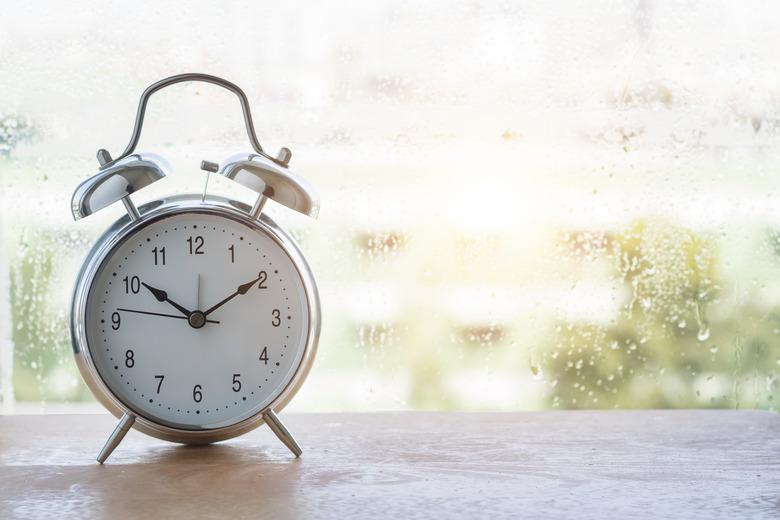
(648, 464)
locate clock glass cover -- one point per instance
(197, 320)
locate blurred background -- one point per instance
(525, 205)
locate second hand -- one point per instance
(161, 315)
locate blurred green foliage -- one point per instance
(43, 367)
(663, 349)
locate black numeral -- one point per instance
(263, 276)
(116, 320)
(132, 284)
(236, 383)
(264, 355)
(277, 318)
(197, 395)
(232, 250)
(196, 244)
(129, 359)
(159, 255)
(159, 382)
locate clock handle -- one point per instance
(282, 432)
(116, 436)
(206, 78)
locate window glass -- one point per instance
(524, 205)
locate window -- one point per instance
(523, 206)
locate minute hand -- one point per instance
(242, 289)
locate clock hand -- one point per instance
(197, 296)
(242, 289)
(161, 314)
(162, 296)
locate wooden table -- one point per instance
(644, 464)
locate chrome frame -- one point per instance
(123, 228)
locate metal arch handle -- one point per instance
(181, 78)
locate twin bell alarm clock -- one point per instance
(195, 318)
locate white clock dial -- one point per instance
(197, 321)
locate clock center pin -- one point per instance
(196, 319)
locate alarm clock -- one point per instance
(195, 318)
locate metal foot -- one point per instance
(116, 437)
(281, 431)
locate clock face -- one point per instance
(197, 321)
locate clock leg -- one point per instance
(281, 431)
(116, 436)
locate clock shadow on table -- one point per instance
(199, 479)
(225, 453)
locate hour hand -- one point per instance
(162, 296)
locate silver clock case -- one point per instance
(124, 228)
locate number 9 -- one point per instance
(116, 320)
